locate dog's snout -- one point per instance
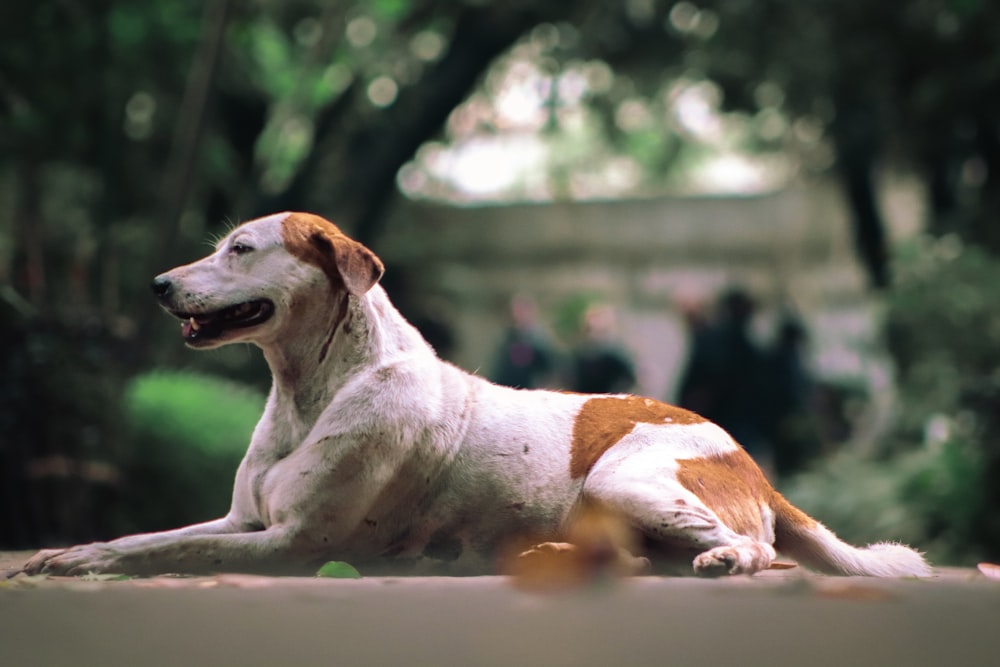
(162, 286)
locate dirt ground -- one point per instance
(786, 617)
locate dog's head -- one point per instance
(259, 273)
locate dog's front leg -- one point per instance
(199, 549)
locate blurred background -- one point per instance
(781, 214)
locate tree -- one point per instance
(905, 83)
(318, 104)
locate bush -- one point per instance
(187, 433)
(944, 331)
(60, 397)
(934, 489)
(930, 497)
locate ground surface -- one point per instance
(783, 617)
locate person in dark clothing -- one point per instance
(525, 358)
(793, 429)
(725, 376)
(598, 364)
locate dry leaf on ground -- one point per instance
(781, 565)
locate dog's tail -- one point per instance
(815, 546)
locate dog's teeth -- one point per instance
(194, 324)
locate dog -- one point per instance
(373, 450)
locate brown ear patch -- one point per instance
(604, 420)
(732, 486)
(318, 241)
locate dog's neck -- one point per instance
(359, 333)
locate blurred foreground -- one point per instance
(775, 618)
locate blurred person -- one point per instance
(724, 379)
(598, 364)
(793, 429)
(526, 358)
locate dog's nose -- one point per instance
(162, 286)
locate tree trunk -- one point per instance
(184, 152)
(351, 173)
(855, 135)
(29, 274)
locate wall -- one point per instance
(645, 257)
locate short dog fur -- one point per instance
(374, 451)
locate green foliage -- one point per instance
(930, 498)
(209, 415)
(945, 485)
(653, 149)
(59, 401)
(569, 315)
(93, 576)
(336, 569)
(187, 433)
(272, 54)
(936, 491)
(944, 329)
(390, 10)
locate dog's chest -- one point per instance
(274, 443)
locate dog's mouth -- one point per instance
(201, 328)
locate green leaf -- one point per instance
(336, 569)
(391, 9)
(93, 576)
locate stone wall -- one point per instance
(644, 257)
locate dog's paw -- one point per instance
(717, 562)
(745, 558)
(36, 564)
(98, 558)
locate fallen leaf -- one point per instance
(989, 570)
(550, 567)
(93, 576)
(597, 552)
(336, 569)
(779, 565)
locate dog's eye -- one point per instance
(240, 248)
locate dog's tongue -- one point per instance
(189, 327)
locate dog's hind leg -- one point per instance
(676, 521)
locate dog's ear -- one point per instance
(344, 261)
(357, 267)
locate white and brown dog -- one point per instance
(373, 450)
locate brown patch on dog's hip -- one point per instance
(732, 486)
(604, 420)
